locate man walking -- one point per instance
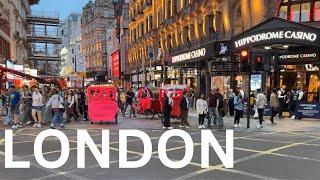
(167, 110)
(14, 106)
(260, 103)
(129, 101)
(215, 108)
(282, 100)
(184, 107)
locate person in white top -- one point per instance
(202, 110)
(261, 100)
(57, 107)
(37, 105)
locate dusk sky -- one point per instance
(63, 7)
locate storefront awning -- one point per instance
(24, 75)
(277, 31)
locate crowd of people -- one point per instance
(41, 106)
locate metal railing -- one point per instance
(45, 14)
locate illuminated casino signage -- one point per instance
(276, 35)
(189, 55)
(299, 56)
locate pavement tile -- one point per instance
(71, 164)
(257, 145)
(26, 149)
(284, 137)
(281, 167)
(217, 174)
(153, 170)
(308, 151)
(213, 158)
(18, 174)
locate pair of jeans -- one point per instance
(216, 114)
(238, 116)
(273, 113)
(184, 118)
(56, 117)
(9, 117)
(260, 112)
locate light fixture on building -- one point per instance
(286, 46)
(267, 47)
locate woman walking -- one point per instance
(238, 106)
(71, 106)
(202, 110)
(37, 106)
(57, 107)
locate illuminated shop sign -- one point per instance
(266, 36)
(189, 55)
(299, 56)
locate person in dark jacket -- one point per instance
(184, 107)
(168, 102)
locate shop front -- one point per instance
(279, 52)
(191, 68)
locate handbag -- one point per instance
(256, 114)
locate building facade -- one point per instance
(14, 29)
(97, 17)
(177, 41)
(73, 65)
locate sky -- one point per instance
(63, 7)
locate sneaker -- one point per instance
(35, 125)
(62, 126)
(14, 127)
(164, 127)
(203, 126)
(239, 125)
(188, 127)
(180, 126)
(293, 117)
(39, 126)
(259, 126)
(19, 126)
(29, 122)
(52, 126)
(235, 126)
(200, 127)
(170, 127)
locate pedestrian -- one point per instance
(301, 98)
(85, 110)
(71, 106)
(26, 105)
(130, 102)
(57, 105)
(216, 108)
(293, 101)
(184, 108)
(282, 100)
(168, 102)
(77, 98)
(122, 102)
(5, 100)
(238, 106)
(274, 104)
(15, 97)
(37, 107)
(47, 113)
(202, 110)
(192, 97)
(230, 103)
(261, 100)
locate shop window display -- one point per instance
(222, 82)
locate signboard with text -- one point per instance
(308, 110)
(116, 64)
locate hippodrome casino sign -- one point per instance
(208, 140)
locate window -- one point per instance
(300, 10)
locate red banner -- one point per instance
(116, 64)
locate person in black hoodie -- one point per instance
(184, 107)
(168, 102)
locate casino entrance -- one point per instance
(281, 59)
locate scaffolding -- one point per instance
(44, 42)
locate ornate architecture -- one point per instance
(97, 17)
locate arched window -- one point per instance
(300, 10)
